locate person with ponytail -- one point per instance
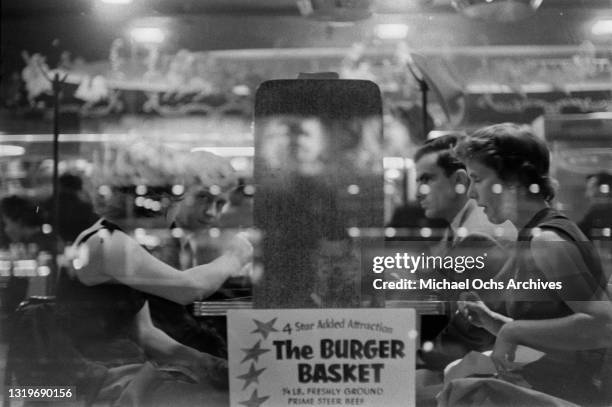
(571, 324)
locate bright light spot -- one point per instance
(497, 188)
(77, 264)
(177, 233)
(249, 190)
(150, 35)
(178, 189)
(390, 232)
(393, 162)
(536, 232)
(353, 189)
(139, 201)
(391, 31)
(460, 189)
(413, 334)
(43, 271)
(240, 164)
(139, 233)
(354, 232)
(156, 206)
(141, 189)
(47, 229)
(462, 231)
(241, 90)
(147, 203)
(11, 151)
(393, 173)
(425, 232)
(104, 190)
(424, 189)
(214, 233)
(606, 232)
(428, 346)
(604, 188)
(602, 27)
(534, 188)
(215, 190)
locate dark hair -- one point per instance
(21, 210)
(514, 152)
(444, 147)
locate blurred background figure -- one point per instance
(22, 222)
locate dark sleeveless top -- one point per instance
(571, 375)
(99, 318)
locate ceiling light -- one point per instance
(150, 35)
(391, 31)
(602, 27)
(8, 150)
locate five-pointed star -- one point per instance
(254, 352)
(264, 328)
(255, 400)
(252, 376)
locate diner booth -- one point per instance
(318, 107)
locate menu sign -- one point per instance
(340, 357)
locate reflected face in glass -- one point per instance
(436, 191)
(199, 208)
(310, 141)
(496, 197)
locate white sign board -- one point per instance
(323, 357)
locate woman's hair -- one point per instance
(515, 154)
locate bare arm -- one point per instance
(589, 327)
(116, 256)
(165, 350)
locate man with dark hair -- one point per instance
(442, 192)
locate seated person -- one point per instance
(105, 321)
(442, 193)
(508, 167)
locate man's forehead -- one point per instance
(428, 163)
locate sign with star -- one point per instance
(323, 357)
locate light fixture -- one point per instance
(391, 31)
(8, 150)
(148, 35)
(497, 10)
(602, 27)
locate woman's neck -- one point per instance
(527, 211)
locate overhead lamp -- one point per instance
(602, 27)
(148, 35)
(391, 31)
(8, 150)
(497, 10)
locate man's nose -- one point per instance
(472, 192)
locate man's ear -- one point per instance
(460, 177)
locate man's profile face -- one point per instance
(200, 208)
(435, 191)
